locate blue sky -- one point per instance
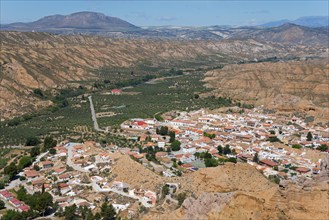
(149, 13)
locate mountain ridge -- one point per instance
(307, 21)
(76, 21)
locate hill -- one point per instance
(308, 21)
(92, 23)
(239, 191)
(284, 86)
(76, 22)
(287, 34)
(47, 61)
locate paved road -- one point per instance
(93, 115)
(69, 159)
(37, 160)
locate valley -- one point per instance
(104, 119)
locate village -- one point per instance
(85, 174)
(286, 147)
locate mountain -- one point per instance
(287, 34)
(76, 22)
(310, 21)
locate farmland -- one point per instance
(144, 99)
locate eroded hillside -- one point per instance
(239, 191)
(41, 60)
(285, 86)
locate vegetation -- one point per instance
(211, 162)
(309, 136)
(323, 147)
(42, 202)
(296, 146)
(211, 136)
(175, 145)
(181, 197)
(273, 139)
(255, 159)
(32, 141)
(71, 110)
(49, 142)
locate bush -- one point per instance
(211, 162)
(323, 147)
(296, 146)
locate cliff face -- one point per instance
(284, 86)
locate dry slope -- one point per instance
(41, 60)
(239, 191)
(285, 86)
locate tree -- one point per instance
(220, 149)
(25, 161)
(32, 141)
(175, 145)
(163, 130)
(165, 190)
(52, 151)
(43, 201)
(255, 159)
(211, 162)
(69, 213)
(309, 136)
(2, 205)
(107, 211)
(12, 215)
(172, 136)
(49, 142)
(196, 96)
(35, 151)
(11, 170)
(227, 149)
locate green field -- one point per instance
(176, 93)
(144, 100)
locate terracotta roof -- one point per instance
(16, 201)
(269, 162)
(24, 208)
(302, 169)
(31, 173)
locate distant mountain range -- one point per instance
(93, 23)
(311, 21)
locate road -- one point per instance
(93, 115)
(37, 160)
(69, 159)
(130, 194)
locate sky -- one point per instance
(158, 13)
